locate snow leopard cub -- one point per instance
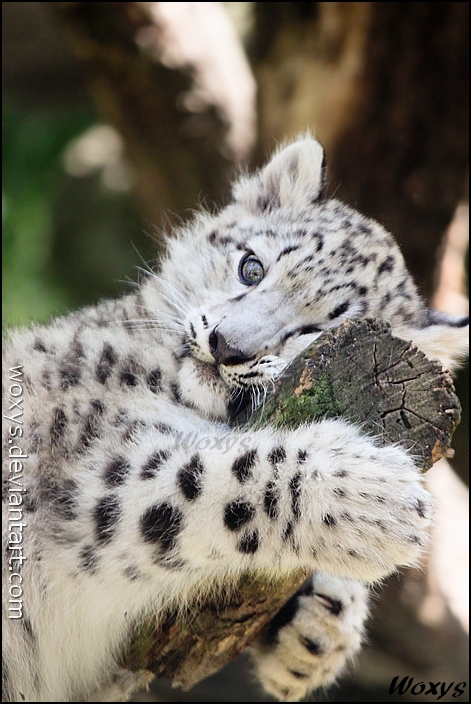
(111, 517)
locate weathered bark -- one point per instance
(357, 371)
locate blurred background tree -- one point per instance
(118, 117)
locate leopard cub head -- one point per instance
(251, 287)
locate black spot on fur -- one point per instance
(238, 513)
(177, 394)
(320, 241)
(129, 374)
(378, 522)
(58, 426)
(386, 265)
(91, 426)
(30, 503)
(106, 514)
(342, 308)
(46, 379)
(340, 493)
(341, 473)
(189, 478)
(121, 418)
(364, 229)
(133, 429)
(420, 508)
(212, 237)
(293, 168)
(295, 490)
(62, 496)
(154, 380)
(263, 203)
(69, 373)
(106, 363)
(64, 499)
(277, 455)
(329, 520)
(28, 628)
(347, 517)
(89, 559)
(302, 456)
(132, 573)
(414, 539)
(238, 298)
(39, 346)
(76, 349)
(311, 645)
(270, 500)
(287, 250)
(153, 464)
(116, 472)
(308, 329)
(288, 531)
(161, 524)
(242, 466)
(249, 543)
(164, 428)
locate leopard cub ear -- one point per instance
(293, 178)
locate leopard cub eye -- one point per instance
(251, 270)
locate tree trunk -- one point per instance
(173, 79)
(385, 87)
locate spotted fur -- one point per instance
(135, 493)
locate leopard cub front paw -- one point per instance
(310, 640)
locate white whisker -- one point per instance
(185, 298)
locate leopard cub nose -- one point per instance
(223, 353)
